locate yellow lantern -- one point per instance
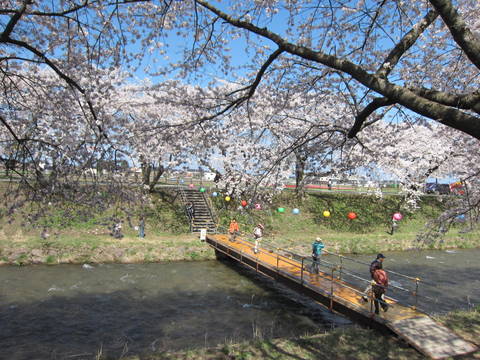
(326, 213)
(227, 198)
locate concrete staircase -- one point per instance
(204, 217)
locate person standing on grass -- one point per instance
(233, 230)
(317, 248)
(141, 227)
(257, 235)
(376, 264)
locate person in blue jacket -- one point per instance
(317, 248)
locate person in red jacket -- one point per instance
(381, 284)
(376, 264)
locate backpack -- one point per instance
(381, 277)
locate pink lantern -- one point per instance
(258, 207)
(397, 216)
(191, 186)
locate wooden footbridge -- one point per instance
(330, 289)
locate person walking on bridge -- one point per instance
(233, 230)
(317, 248)
(375, 265)
(257, 235)
(379, 289)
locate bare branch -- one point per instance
(14, 20)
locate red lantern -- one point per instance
(244, 203)
(352, 215)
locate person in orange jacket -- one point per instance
(233, 230)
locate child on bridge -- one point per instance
(257, 235)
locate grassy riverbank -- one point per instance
(95, 245)
(345, 343)
(87, 239)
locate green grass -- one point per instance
(352, 342)
(369, 233)
(167, 235)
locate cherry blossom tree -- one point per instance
(259, 88)
(399, 55)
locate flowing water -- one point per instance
(75, 311)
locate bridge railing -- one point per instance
(404, 287)
(406, 294)
(298, 267)
(338, 271)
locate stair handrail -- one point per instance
(183, 196)
(211, 210)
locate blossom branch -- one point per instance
(449, 116)
(459, 30)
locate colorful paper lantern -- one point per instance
(244, 203)
(182, 181)
(281, 209)
(202, 189)
(191, 186)
(397, 216)
(296, 211)
(352, 215)
(326, 213)
(214, 194)
(258, 206)
(227, 198)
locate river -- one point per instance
(75, 311)
(78, 311)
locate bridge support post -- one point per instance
(331, 290)
(220, 255)
(301, 272)
(341, 266)
(416, 293)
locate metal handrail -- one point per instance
(296, 264)
(341, 269)
(365, 263)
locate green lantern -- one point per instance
(202, 189)
(281, 209)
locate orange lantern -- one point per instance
(244, 203)
(352, 215)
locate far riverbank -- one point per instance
(23, 247)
